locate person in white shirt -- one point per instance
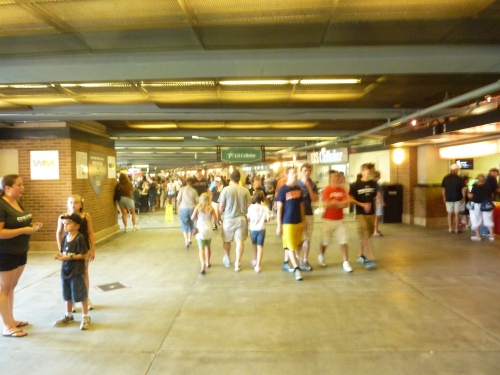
(258, 215)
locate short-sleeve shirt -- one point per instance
(71, 268)
(200, 186)
(236, 200)
(364, 192)
(453, 185)
(257, 214)
(306, 197)
(291, 197)
(492, 183)
(337, 194)
(13, 219)
(480, 191)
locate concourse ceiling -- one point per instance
(172, 80)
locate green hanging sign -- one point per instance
(242, 155)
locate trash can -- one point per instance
(393, 198)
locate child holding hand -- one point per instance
(258, 215)
(73, 254)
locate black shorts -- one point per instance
(9, 262)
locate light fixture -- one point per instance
(259, 82)
(398, 156)
(413, 122)
(339, 81)
(469, 150)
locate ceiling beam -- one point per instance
(323, 61)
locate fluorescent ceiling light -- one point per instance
(27, 86)
(153, 126)
(180, 139)
(341, 81)
(178, 84)
(260, 82)
(94, 85)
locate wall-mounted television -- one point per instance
(465, 163)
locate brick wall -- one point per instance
(46, 199)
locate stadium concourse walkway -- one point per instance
(431, 307)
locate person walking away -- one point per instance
(187, 200)
(75, 206)
(233, 204)
(126, 202)
(16, 228)
(205, 216)
(481, 191)
(454, 190)
(290, 220)
(258, 215)
(309, 196)
(362, 194)
(335, 199)
(72, 254)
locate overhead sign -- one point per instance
(241, 155)
(338, 155)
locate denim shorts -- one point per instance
(9, 262)
(187, 224)
(74, 289)
(258, 237)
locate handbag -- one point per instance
(486, 204)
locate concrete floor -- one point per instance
(432, 307)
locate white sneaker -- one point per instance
(237, 267)
(298, 275)
(136, 228)
(474, 238)
(347, 267)
(85, 324)
(321, 260)
(226, 261)
(126, 230)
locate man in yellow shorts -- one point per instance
(291, 218)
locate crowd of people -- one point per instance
(470, 206)
(239, 208)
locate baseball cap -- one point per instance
(454, 166)
(73, 217)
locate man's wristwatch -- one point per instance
(71, 256)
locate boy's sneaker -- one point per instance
(304, 266)
(85, 324)
(370, 264)
(285, 267)
(321, 260)
(237, 267)
(298, 275)
(135, 228)
(361, 259)
(347, 267)
(226, 261)
(64, 320)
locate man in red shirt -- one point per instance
(335, 198)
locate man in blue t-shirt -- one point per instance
(290, 220)
(309, 195)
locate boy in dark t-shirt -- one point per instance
(73, 253)
(363, 194)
